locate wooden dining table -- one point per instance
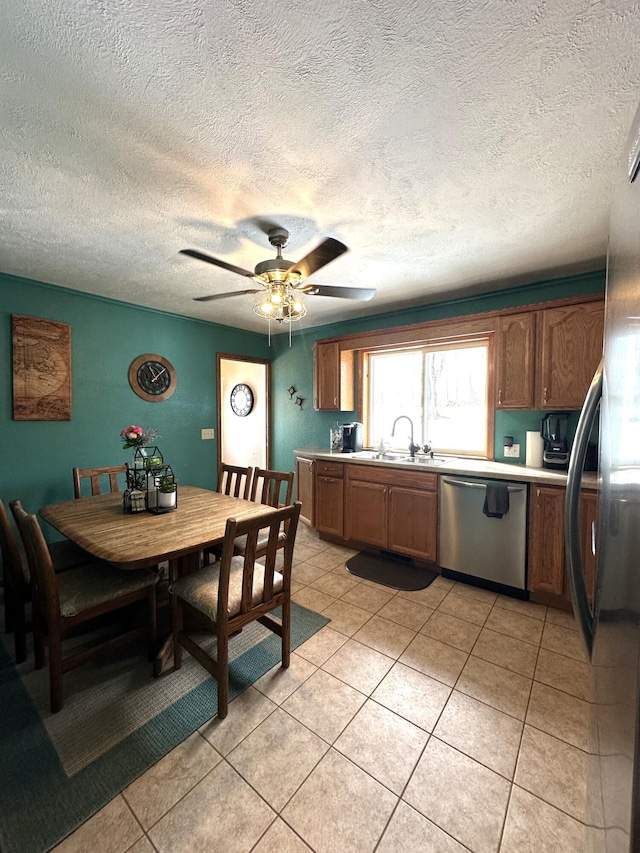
(139, 540)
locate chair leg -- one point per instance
(222, 667)
(153, 622)
(286, 633)
(55, 672)
(176, 621)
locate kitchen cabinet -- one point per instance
(547, 568)
(304, 488)
(333, 379)
(515, 360)
(392, 509)
(329, 498)
(546, 540)
(570, 348)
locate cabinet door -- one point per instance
(304, 488)
(515, 361)
(413, 522)
(329, 505)
(571, 348)
(546, 540)
(332, 378)
(366, 512)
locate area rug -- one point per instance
(391, 572)
(56, 770)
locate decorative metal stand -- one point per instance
(151, 485)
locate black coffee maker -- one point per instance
(553, 430)
(352, 437)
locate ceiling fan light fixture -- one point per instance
(281, 303)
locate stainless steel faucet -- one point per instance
(412, 447)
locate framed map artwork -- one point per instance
(41, 369)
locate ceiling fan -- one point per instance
(281, 297)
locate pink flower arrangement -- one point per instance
(135, 436)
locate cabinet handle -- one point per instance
(544, 396)
(335, 401)
(500, 397)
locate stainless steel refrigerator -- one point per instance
(610, 624)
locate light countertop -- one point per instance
(454, 465)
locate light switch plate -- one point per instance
(512, 452)
(206, 433)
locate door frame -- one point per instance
(254, 360)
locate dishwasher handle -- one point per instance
(464, 484)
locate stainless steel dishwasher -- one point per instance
(471, 543)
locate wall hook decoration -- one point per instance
(292, 391)
(299, 401)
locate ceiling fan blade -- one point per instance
(363, 294)
(223, 295)
(216, 262)
(323, 254)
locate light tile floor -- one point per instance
(446, 719)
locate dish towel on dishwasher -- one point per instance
(496, 501)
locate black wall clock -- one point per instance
(152, 377)
(241, 399)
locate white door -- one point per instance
(243, 411)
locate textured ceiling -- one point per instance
(454, 146)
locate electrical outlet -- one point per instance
(206, 433)
(512, 452)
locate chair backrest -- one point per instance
(272, 522)
(94, 475)
(234, 480)
(43, 578)
(14, 569)
(273, 488)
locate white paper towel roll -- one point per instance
(535, 446)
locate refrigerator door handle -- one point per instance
(578, 587)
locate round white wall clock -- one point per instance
(241, 399)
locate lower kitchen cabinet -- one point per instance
(413, 522)
(329, 498)
(304, 488)
(366, 517)
(392, 509)
(546, 540)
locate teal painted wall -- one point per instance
(294, 427)
(36, 457)
(106, 336)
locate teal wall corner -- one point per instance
(106, 336)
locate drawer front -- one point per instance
(393, 477)
(329, 469)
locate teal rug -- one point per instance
(55, 771)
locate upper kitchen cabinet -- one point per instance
(333, 379)
(570, 349)
(546, 357)
(515, 360)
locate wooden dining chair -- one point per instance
(16, 577)
(96, 477)
(237, 591)
(273, 488)
(61, 602)
(234, 480)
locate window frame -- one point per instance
(446, 342)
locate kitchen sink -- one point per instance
(427, 461)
